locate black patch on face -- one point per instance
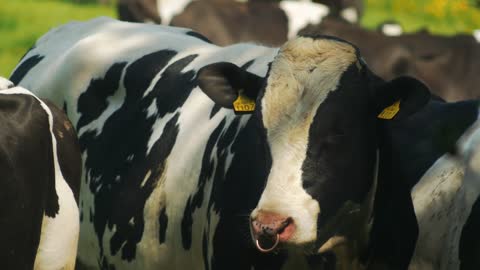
(198, 35)
(93, 101)
(24, 68)
(119, 152)
(469, 244)
(341, 136)
(163, 222)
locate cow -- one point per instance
(41, 169)
(444, 193)
(446, 65)
(138, 10)
(218, 20)
(239, 157)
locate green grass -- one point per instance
(445, 17)
(23, 21)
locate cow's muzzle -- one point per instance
(270, 229)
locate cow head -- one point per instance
(318, 109)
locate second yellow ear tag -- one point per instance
(243, 104)
(390, 111)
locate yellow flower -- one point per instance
(436, 8)
(459, 6)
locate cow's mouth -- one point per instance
(266, 243)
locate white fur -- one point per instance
(169, 8)
(292, 97)
(300, 14)
(59, 235)
(476, 35)
(391, 29)
(5, 84)
(350, 14)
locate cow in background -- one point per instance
(448, 65)
(138, 11)
(226, 22)
(41, 169)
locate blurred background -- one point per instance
(23, 21)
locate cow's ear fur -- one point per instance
(223, 81)
(412, 94)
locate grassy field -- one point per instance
(444, 17)
(23, 21)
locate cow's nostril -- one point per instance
(284, 225)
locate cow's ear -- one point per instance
(400, 98)
(223, 82)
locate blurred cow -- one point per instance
(448, 65)
(138, 11)
(226, 22)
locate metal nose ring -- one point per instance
(265, 250)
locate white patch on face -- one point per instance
(169, 8)
(476, 35)
(392, 30)
(302, 75)
(59, 235)
(300, 14)
(350, 14)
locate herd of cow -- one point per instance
(315, 145)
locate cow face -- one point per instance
(318, 110)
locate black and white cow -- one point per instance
(175, 179)
(218, 20)
(444, 188)
(40, 163)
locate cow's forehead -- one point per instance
(302, 74)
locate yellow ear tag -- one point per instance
(243, 104)
(390, 111)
